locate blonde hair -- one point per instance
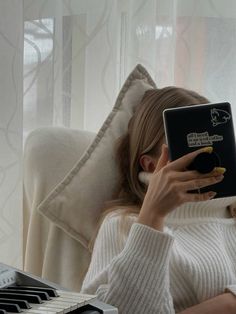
(144, 136)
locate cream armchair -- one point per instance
(66, 185)
(51, 253)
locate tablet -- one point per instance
(192, 127)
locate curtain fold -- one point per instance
(11, 113)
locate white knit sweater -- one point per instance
(146, 271)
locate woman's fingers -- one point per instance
(199, 197)
(193, 174)
(183, 162)
(199, 183)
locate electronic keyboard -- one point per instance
(24, 293)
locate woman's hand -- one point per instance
(169, 187)
(222, 304)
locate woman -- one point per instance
(160, 248)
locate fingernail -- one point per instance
(220, 170)
(212, 194)
(220, 177)
(208, 149)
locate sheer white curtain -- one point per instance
(187, 43)
(77, 54)
(70, 62)
(11, 69)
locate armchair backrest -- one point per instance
(49, 252)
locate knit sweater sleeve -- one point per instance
(131, 273)
(232, 289)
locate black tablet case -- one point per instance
(192, 127)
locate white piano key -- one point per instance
(27, 313)
(39, 312)
(54, 308)
(62, 299)
(62, 292)
(70, 305)
(70, 301)
(78, 296)
(57, 307)
(22, 312)
(50, 309)
(62, 309)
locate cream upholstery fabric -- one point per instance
(65, 192)
(49, 155)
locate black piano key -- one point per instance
(41, 294)
(22, 303)
(10, 307)
(50, 291)
(3, 312)
(27, 297)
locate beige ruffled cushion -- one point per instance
(75, 203)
